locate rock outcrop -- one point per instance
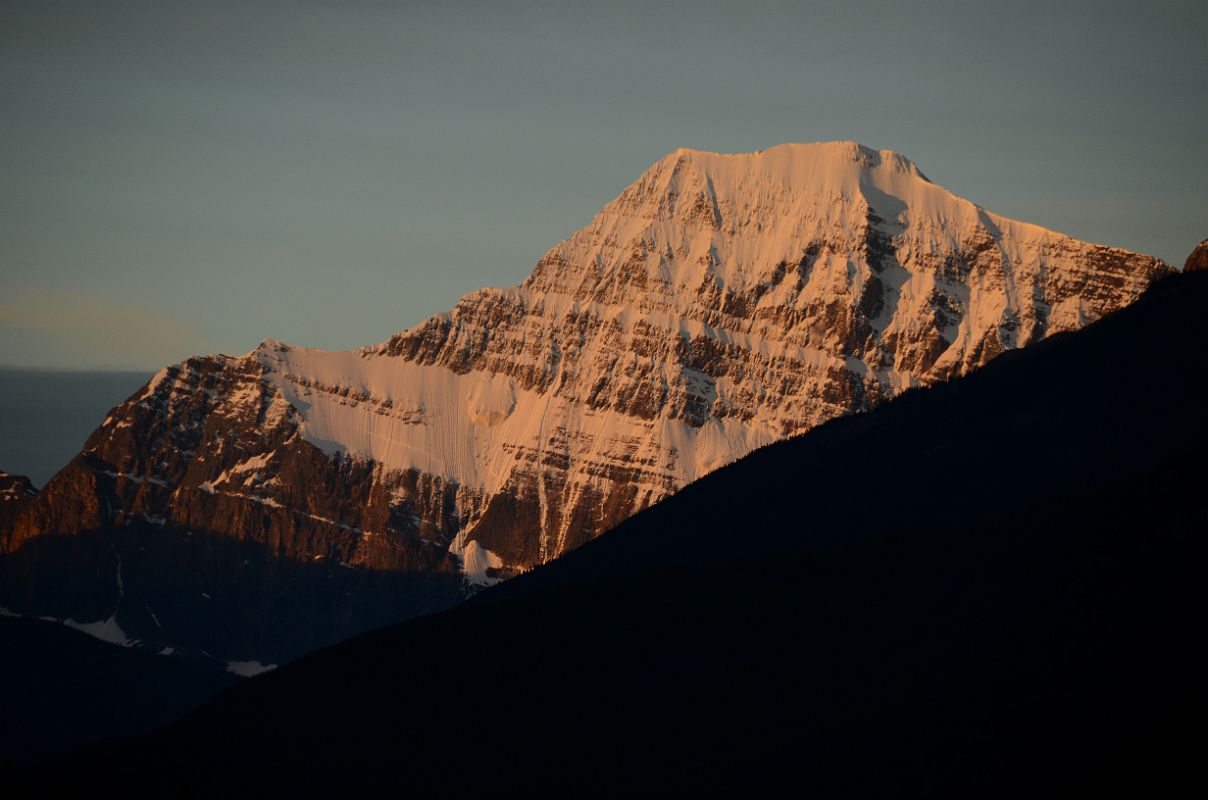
(16, 491)
(1198, 259)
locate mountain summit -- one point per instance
(720, 303)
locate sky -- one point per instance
(190, 178)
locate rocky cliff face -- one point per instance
(16, 492)
(1198, 259)
(720, 303)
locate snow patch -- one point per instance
(107, 630)
(255, 462)
(248, 669)
(475, 561)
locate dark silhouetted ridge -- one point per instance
(992, 587)
(63, 688)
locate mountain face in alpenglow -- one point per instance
(1198, 260)
(261, 505)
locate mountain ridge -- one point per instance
(68, 689)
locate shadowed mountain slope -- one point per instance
(64, 688)
(993, 586)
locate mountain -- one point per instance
(262, 505)
(65, 689)
(1198, 260)
(987, 588)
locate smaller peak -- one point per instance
(1198, 260)
(268, 349)
(14, 487)
(273, 344)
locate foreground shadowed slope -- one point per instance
(63, 688)
(992, 586)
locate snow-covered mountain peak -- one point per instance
(821, 170)
(735, 219)
(719, 303)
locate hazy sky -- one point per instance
(196, 177)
